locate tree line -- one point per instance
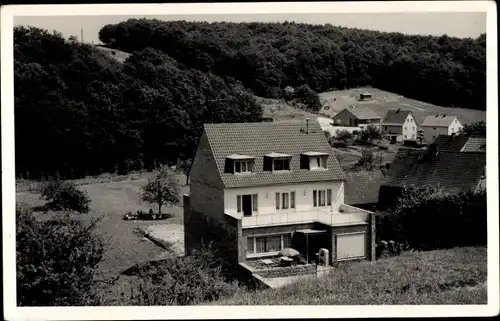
(79, 112)
(267, 57)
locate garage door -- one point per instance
(350, 246)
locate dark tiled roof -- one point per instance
(450, 143)
(475, 144)
(259, 139)
(363, 112)
(362, 187)
(447, 169)
(396, 117)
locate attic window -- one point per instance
(313, 160)
(277, 162)
(239, 164)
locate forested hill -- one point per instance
(80, 112)
(442, 70)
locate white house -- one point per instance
(399, 125)
(275, 185)
(436, 125)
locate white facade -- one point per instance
(409, 128)
(432, 132)
(312, 202)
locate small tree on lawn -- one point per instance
(64, 195)
(162, 190)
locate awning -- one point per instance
(237, 156)
(311, 231)
(274, 155)
(315, 154)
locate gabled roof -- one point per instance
(475, 144)
(362, 112)
(449, 169)
(450, 143)
(396, 117)
(260, 139)
(438, 120)
(362, 187)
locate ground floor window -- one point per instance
(268, 243)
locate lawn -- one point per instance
(272, 108)
(383, 101)
(111, 199)
(455, 276)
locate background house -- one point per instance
(399, 125)
(357, 116)
(453, 162)
(436, 125)
(270, 186)
(361, 189)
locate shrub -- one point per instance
(189, 280)
(56, 260)
(435, 218)
(64, 195)
(370, 133)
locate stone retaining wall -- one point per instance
(287, 271)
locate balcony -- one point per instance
(347, 215)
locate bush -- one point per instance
(189, 280)
(64, 195)
(56, 261)
(435, 218)
(308, 97)
(411, 143)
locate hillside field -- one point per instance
(454, 276)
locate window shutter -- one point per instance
(328, 197)
(304, 162)
(292, 199)
(315, 198)
(268, 164)
(229, 166)
(254, 202)
(277, 201)
(238, 203)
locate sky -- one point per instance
(455, 24)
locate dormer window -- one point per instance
(277, 162)
(314, 160)
(239, 164)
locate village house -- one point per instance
(451, 162)
(399, 125)
(357, 116)
(436, 125)
(271, 186)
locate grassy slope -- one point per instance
(454, 276)
(111, 199)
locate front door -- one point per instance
(247, 205)
(315, 243)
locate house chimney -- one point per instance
(437, 115)
(444, 115)
(397, 111)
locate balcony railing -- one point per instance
(329, 218)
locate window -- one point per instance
(452, 130)
(285, 200)
(243, 166)
(317, 162)
(322, 197)
(413, 136)
(385, 127)
(434, 128)
(247, 204)
(268, 243)
(405, 136)
(282, 164)
(413, 127)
